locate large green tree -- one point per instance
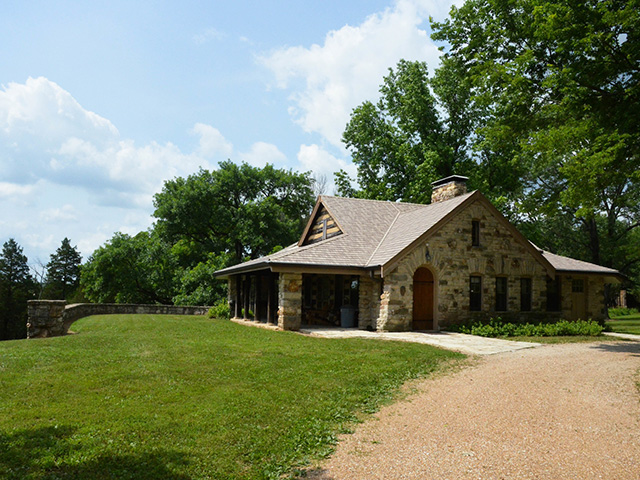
(559, 83)
(126, 269)
(411, 136)
(16, 287)
(63, 272)
(239, 210)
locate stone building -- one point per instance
(398, 266)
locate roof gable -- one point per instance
(438, 218)
(321, 227)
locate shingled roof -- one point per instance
(374, 233)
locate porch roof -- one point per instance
(571, 265)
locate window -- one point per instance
(501, 294)
(525, 294)
(475, 233)
(577, 286)
(475, 294)
(553, 295)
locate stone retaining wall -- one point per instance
(52, 318)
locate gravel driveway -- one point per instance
(567, 411)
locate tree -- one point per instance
(16, 287)
(560, 85)
(239, 210)
(63, 272)
(410, 137)
(139, 269)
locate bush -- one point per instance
(622, 312)
(220, 310)
(496, 327)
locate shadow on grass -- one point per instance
(619, 347)
(44, 454)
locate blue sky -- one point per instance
(101, 102)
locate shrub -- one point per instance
(496, 327)
(622, 312)
(220, 310)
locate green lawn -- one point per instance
(167, 397)
(625, 324)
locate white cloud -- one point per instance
(321, 162)
(262, 153)
(46, 134)
(11, 190)
(212, 142)
(327, 81)
(66, 213)
(41, 108)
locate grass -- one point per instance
(625, 324)
(167, 397)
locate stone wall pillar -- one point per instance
(290, 301)
(396, 303)
(368, 302)
(45, 318)
(596, 301)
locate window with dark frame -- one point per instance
(475, 233)
(553, 295)
(525, 294)
(475, 293)
(501, 294)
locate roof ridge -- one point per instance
(388, 202)
(398, 213)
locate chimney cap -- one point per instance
(452, 178)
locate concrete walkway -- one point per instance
(626, 336)
(459, 342)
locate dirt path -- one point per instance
(555, 412)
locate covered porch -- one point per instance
(291, 300)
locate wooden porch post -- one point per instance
(247, 293)
(271, 300)
(256, 309)
(238, 305)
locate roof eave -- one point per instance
(610, 275)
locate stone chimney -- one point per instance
(447, 188)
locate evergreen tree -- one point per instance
(16, 287)
(63, 272)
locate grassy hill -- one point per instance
(167, 397)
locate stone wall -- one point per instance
(447, 191)
(52, 318)
(452, 260)
(290, 301)
(594, 298)
(368, 302)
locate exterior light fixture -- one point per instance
(427, 255)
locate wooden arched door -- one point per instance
(423, 299)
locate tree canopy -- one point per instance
(559, 83)
(63, 272)
(411, 136)
(242, 210)
(16, 287)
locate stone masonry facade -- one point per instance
(452, 260)
(290, 301)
